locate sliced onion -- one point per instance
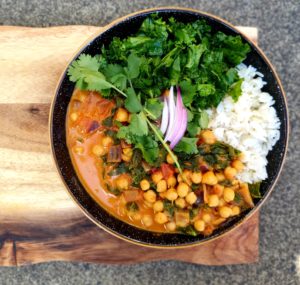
(165, 117)
(181, 121)
(174, 118)
(171, 106)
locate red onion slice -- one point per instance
(171, 106)
(181, 122)
(165, 117)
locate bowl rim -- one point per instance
(103, 30)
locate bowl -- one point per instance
(124, 27)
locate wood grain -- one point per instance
(38, 220)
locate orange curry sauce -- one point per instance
(90, 107)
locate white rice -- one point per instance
(250, 125)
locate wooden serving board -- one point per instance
(38, 220)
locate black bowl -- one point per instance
(123, 28)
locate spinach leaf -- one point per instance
(255, 190)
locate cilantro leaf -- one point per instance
(138, 124)
(187, 145)
(148, 147)
(188, 91)
(154, 106)
(84, 72)
(235, 90)
(133, 68)
(204, 120)
(132, 102)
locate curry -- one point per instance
(159, 196)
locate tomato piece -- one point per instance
(167, 170)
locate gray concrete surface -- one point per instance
(279, 36)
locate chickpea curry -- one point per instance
(154, 195)
(137, 127)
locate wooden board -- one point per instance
(38, 220)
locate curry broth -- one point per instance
(89, 168)
(196, 201)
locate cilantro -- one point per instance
(160, 54)
(204, 120)
(154, 106)
(235, 90)
(148, 147)
(133, 68)
(187, 145)
(132, 102)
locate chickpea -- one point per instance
(145, 185)
(180, 202)
(126, 157)
(199, 225)
(220, 176)
(161, 186)
(150, 196)
(171, 181)
(163, 194)
(230, 172)
(221, 202)
(147, 220)
(187, 175)
(127, 151)
(208, 136)
(99, 150)
(157, 176)
(171, 194)
(218, 189)
(107, 141)
(213, 200)
(74, 116)
(179, 178)
(228, 194)
(196, 177)
(206, 218)
(238, 165)
(158, 206)
(191, 198)
(170, 159)
(148, 205)
(182, 189)
(160, 218)
(225, 212)
(171, 226)
(122, 183)
(236, 210)
(78, 149)
(136, 216)
(209, 178)
(122, 115)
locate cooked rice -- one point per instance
(251, 124)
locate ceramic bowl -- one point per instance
(124, 27)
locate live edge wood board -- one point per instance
(38, 220)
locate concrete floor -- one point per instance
(279, 37)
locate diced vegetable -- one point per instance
(114, 154)
(182, 218)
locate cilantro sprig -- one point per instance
(162, 54)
